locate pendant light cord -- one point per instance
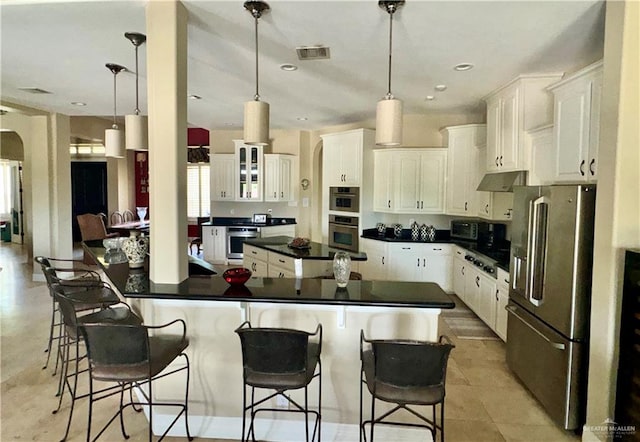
(115, 125)
(391, 10)
(137, 110)
(257, 95)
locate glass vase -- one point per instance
(342, 268)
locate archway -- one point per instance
(11, 204)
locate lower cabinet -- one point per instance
(265, 264)
(487, 300)
(377, 263)
(256, 260)
(421, 262)
(214, 244)
(502, 298)
(459, 269)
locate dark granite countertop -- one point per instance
(279, 244)
(248, 222)
(135, 283)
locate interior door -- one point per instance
(88, 191)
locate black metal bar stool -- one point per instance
(280, 359)
(404, 372)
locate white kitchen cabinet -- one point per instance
(375, 267)
(419, 180)
(502, 298)
(541, 160)
(223, 175)
(463, 173)
(214, 244)
(259, 269)
(249, 171)
(278, 169)
(415, 181)
(577, 125)
(458, 273)
(421, 262)
(495, 206)
(342, 153)
(486, 307)
(522, 104)
(472, 288)
(280, 272)
(383, 185)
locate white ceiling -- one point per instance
(62, 47)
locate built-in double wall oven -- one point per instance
(344, 199)
(344, 232)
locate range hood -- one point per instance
(502, 181)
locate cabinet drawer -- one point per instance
(503, 277)
(255, 253)
(287, 262)
(437, 249)
(280, 272)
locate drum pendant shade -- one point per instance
(389, 122)
(256, 123)
(136, 132)
(113, 143)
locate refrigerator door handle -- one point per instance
(558, 345)
(536, 249)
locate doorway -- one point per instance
(88, 191)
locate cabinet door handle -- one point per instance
(582, 167)
(591, 164)
(417, 204)
(281, 260)
(418, 262)
(254, 252)
(281, 194)
(462, 271)
(424, 262)
(500, 160)
(465, 206)
(422, 204)
(497, 296)
(497, 162)
(478, 281)
(486, 209)
(437, 249)
(383, 260)
(406, 248)
(389, 204)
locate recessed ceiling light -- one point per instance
(441, 87)
(302, 118)
(78, 103)
(430, 98)
(195, 97)
(463, 66)
(288, 67)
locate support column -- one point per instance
(167, 103)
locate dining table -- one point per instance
(131, 226)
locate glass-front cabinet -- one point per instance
(249, 171)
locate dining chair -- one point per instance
(404, 372)
(128, 216)
(116, 218)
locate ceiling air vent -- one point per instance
(313, 52)
(34, 90)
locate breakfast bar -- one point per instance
(213, 309)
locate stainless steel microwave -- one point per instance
(344, 199)
(465, 229)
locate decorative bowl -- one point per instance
(237, 275)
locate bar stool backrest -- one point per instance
(410, 363)
(116, 344)
(274, 350)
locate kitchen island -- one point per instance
(275, 258)
(212, 310)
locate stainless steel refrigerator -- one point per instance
(549, 296)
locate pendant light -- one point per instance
(256, 112)
(113, 137)
(136, 126)
(389, 109)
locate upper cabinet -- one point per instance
(278, 171)
(577, 125)
(345, 152)
(249, 171)
(463, 175)
(513, 109)
(409, 180)
(223, 177)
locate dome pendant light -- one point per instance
(256, 112)
(389, 109)
(113, 137)
(136, 126)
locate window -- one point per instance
(198, 201)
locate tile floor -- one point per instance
(484, 401)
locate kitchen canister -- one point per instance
(423, 232)
(136, 249)
(415, 231)
(431, 234)
(397, 230)
(381, 228)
